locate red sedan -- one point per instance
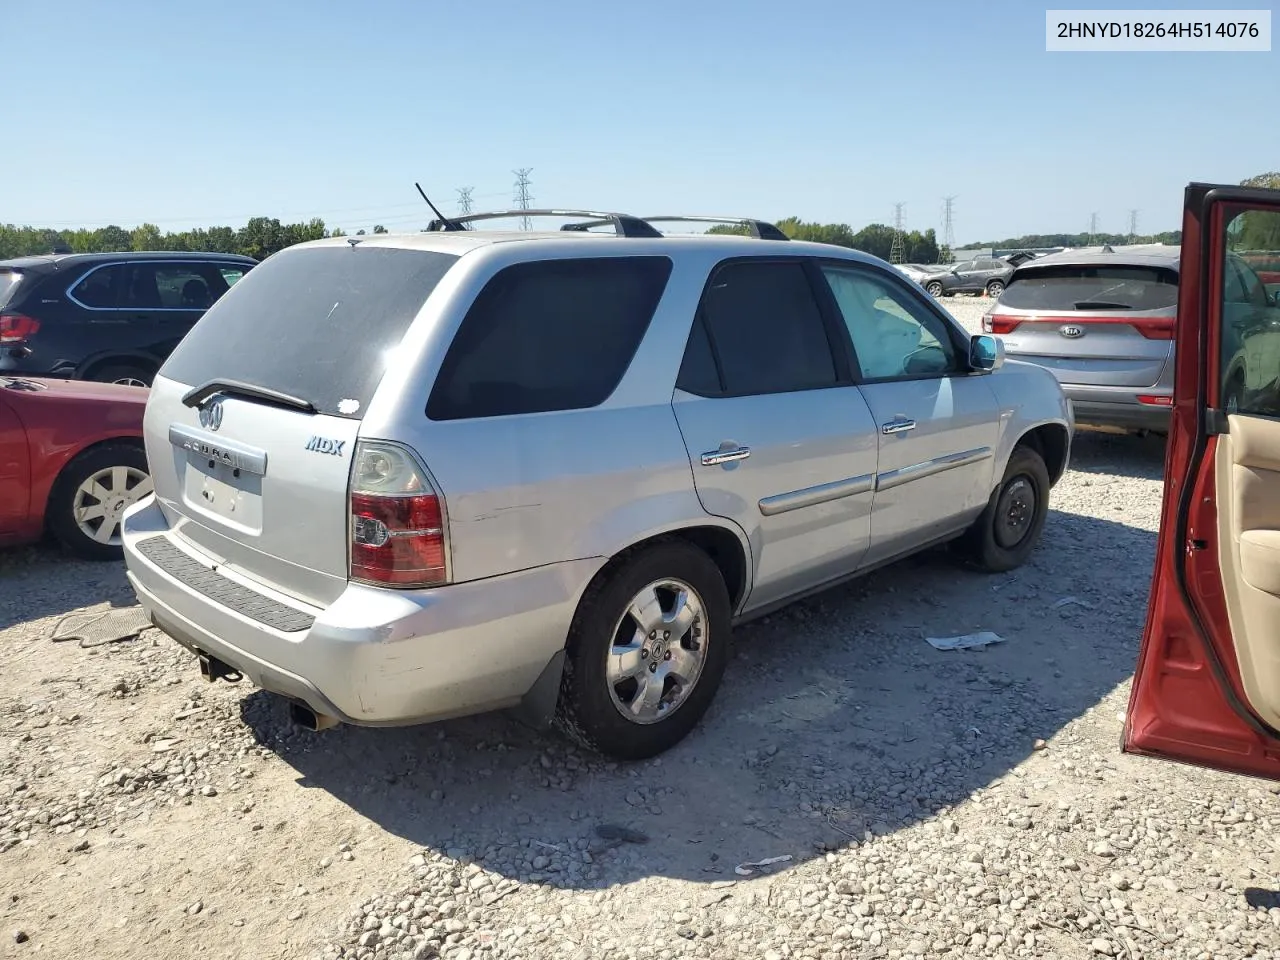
(71, 462)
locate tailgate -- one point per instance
(252, 421)
(1116, 351)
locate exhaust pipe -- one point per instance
(303, 716)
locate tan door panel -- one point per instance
(1248, 483)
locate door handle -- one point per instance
(900, 425)
(714, 457)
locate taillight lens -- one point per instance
(17, 327)
(998, 323)
(1155, 328)
(398, 536)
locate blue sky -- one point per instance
(185, 114)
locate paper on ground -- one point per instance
(966, 642)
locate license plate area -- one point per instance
(222, 492)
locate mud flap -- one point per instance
(538, 707)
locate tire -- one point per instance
(1233, 399)
(989, 542)
(71, 511)
(995, 288)
(601, 699)
(127, 373)
(933, 288)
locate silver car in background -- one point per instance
(1103, 323)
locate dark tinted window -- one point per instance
(698, 373)
(100, 287)
(766, 329)
(316, 323)
(1105, 287)
(172, 286)
(548, 335)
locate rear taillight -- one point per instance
(1154, 328)
(1155, 400)
(17, 327)
(398, 534)
(998, 323)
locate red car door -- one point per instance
(15, 472)
(1207, 686)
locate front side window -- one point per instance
(548, 335)
(1249, 314)
(892, 335)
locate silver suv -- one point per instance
(404, 478)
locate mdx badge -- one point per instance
(326, 445)
(1071, 331)
(211, 415)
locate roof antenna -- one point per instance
(443, 221)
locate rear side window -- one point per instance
(8, 284)
(548, 335)
(1092, 287)
(761, 322)
(100, 287)
(316, 323)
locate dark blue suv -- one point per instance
(111, 317)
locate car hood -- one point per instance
(72, 390)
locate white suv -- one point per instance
(403, 478)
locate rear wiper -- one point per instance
(1101, 305)
(198, 395)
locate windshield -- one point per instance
(8, 281)
(1092, 287)
(316, 323)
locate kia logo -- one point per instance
(211, 415)
(1071, 331)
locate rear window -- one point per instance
(1065, 287)
(548, 335)
(8, 281)
(316, 323)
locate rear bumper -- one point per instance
(1103, 407)
(374, 657)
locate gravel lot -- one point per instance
(932, 804)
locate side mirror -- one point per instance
(986, 352)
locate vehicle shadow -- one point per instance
(34, 584)
(835, 718)
(1123, 455)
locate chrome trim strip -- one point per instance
(239, 456)
(918, 471)
(812, 496)
(128, 263)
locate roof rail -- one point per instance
(760, 229)
(623, 224)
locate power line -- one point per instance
(523, 198)
(897, 250)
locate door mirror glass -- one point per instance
(986, 353)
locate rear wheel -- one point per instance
(646, 653)
(90, 496)
(132, 375)
(995, 288)
(1009, 528)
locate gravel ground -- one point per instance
(931, 804)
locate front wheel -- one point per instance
(646, 652)
(934, 289)
(1008, 529)
(90, 496)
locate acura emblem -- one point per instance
(1071, 331)
(211, 415)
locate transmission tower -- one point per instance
(1133, 226)
(464, 200)
(1093, 228)
(523, 197)
(948, 230)
(897, 250)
